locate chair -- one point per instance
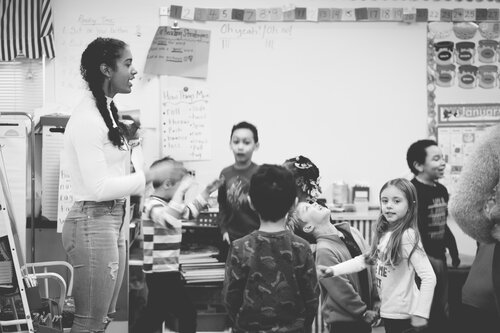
(38, 302)
(64, 295)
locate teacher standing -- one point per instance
(97, 154)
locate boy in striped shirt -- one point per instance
(162, 228)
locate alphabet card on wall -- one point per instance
(185, 123)
(179, 52)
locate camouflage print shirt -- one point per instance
(271, 283)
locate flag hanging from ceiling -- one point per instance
(26, 29)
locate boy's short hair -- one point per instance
(272, 191)
(248, 126)
(168, 159)
(417, 153)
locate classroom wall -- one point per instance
(349, 95)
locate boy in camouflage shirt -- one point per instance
(270, 283)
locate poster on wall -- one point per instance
(465, 54)
(64, 195)
(185, 122)
(463, 88)
(179, 52)
(457, 143)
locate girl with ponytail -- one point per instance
(97, 157)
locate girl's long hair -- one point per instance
(394, 253)
(99, 51)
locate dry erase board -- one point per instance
(349, 95)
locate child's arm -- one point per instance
(423, 268)
(338, 287)
(166, 216)
(365, 248)
(223, 215)
(234, 285)
(451, 245)
(353, 265)
(201, 200)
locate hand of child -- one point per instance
(324, 271)
(160, 172)
(418, 322)
(225, 238)
(213, 186)
(186, 182)
(370, 316)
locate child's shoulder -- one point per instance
(299, 243)
(153, 201)
(240, 241)
(228, 168)
(409, 236)
(441, 187)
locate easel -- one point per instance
(7, 219)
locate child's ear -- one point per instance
(257, 145)
(419, 167)
(308, 228)
(167, 184)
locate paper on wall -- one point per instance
(65, 194)
(53, 143)
(14, 149)
(185, 120)
(179, 52)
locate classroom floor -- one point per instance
(379, 329)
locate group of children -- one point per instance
(284, 254)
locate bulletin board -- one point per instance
(463, 82)
(349, 95)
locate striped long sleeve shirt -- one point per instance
(162, 228)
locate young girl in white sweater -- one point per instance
(398, 254)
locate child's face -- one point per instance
(434, 165)
(243, 145)
(393, 203)
(312, 213)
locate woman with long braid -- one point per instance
(97, 154)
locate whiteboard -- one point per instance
(349, 95)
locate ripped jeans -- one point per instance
(93, 238)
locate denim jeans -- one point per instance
(93, 238)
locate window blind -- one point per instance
(21, 85)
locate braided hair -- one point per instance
(103, 51)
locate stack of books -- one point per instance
(200, 265)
